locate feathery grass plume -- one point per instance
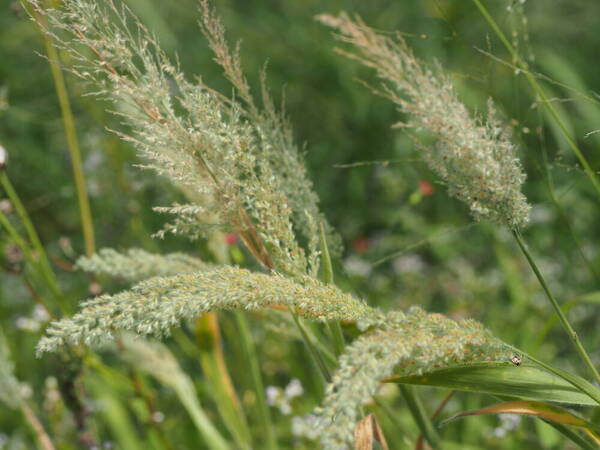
(156, 359)
(275, 132)
(153, 306)
(243, 165)
(136, 264)
(9, 385)
(412, 343)
(474, 157)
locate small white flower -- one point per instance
(408, 264)
(273, 394)
(357, 266)
(40, 314)
(294, 389)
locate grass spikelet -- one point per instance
(136, 264)
(241, 162)
(153, 306)
(475, 158)
(413, 343)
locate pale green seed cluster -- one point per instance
(136, 264)
(153, 306)
(474, 157)
(410, 343)
(239, 168)
(237, 164)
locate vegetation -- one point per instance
(294, 299)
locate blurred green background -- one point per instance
(406, 242)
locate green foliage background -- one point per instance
(402, 247)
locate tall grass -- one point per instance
(262, 300)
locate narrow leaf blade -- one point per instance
(505, 379)
(538, 409)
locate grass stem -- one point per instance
(420, 415)
(32, 260)
(62, 94)
(540, 94)
(42, 262)
(562, 317)
(314, 353)
(269, 439)
(335, 329)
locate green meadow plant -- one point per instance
(236, 163)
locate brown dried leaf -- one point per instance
(367, 432)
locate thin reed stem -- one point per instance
(44, 264)
(420, 443)
(540, 93)
(72, 140)
(550, 184)
(563, 319)
(334, 327)
(587, 388)
(31, 259)
(148, 399)
(213, 364)
(420, 415)
(392, 416)
(314, 353)
(37, 427)
(264, 415)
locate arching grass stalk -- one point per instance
(540, 93)
(563, 319)
(314, 353)
(42, 263)
(334, 327)
(420, 415)
(30, 258)
(40, 433)
(212, 360)
(270, 440)
(71, 135)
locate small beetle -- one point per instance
(516, 360)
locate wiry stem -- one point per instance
(541, 94)
(270, 441)
(37, 427)
(420, 415)
(71, 135)
(39, 261)
(335, 329)
(563, 319)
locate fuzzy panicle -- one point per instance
(153, 306)
(475, 158)
(277, 142)
(239, 164)
(136, 264)
(412, 343)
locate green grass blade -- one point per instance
(215, 369)
(505, 379)
(156, 359)
(116, 415)
(542, 410)
(335, 329)
(420, 416)
(263, 413)
(572, 435)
